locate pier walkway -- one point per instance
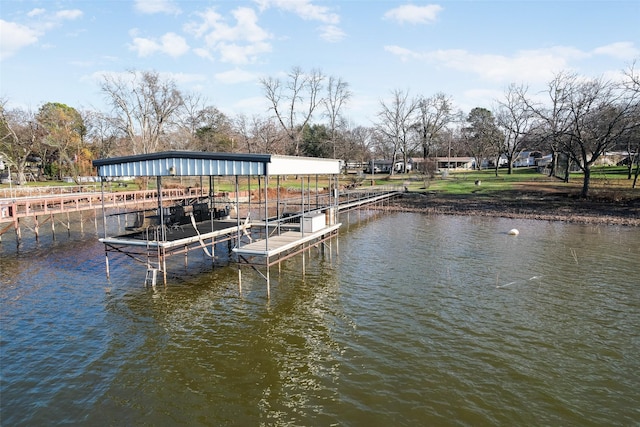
(43, 207)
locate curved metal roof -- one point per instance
(199, 163)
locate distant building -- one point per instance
(385, 166)
(441, 163)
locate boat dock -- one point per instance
(268, 226)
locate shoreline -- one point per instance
(535, 206)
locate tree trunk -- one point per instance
(586, 181)
(554, 163)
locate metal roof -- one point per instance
(198, 163)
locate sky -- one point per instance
(60, 50)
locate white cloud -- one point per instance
(174, 45)
(14, 37)
(170, 44)
(69, 14)
(36, 12)
(144, 47)
(413, 14)
(157, 6)
(184, 78)
(620, 50)
(203, 53)
(234, 76)
(255, 105)
(331, 33)
(308, 11)
(241, 54)
(48, 21)
(304, 9)
(531, 65)
(239, 43)
(403, 53)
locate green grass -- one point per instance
(464, 182)
(604, 179)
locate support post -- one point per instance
(278, 213)
(237, 214)
(106, 259)
(164, 266)
(302, 205)
(268, 281)
(160, 210)
(16, 225)
(266, 211)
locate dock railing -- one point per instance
(28, 191)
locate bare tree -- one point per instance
(632, 85)
(553, 121)
(20, 132)
(356, 144)
(601, 113)
(259, 135)
(516, 120)
(143, 105)
(190, 117)
(338, 94)
(294, 102)
(102, 135)
(434, 115)
(396, 120)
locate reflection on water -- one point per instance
(410, 320)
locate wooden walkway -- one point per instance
(355, 199)
(283, 242)
(39, 209)
(31, 206)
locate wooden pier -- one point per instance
(34, 211)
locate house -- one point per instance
(527, 159)
(385, 166)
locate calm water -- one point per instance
(410, 320)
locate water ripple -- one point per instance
(415, 320)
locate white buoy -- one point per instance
(513, 232)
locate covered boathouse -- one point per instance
(262, 222)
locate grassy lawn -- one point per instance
(604, 180)
(464, 182)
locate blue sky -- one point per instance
(57, 50)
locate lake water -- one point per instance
(408, 320)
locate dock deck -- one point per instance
(180, 236)
(278, 244)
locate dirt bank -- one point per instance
(527, 205)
